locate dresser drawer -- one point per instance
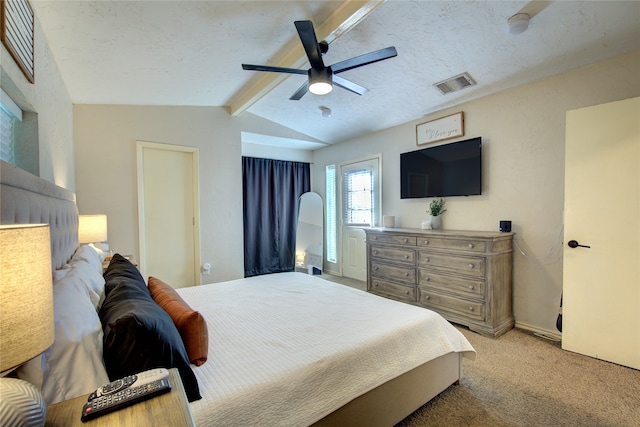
(469, 265)
(391, 239)
(396, 291)
(433, 300)
(393, 273)
(477, 246)
(458, 285)
(394, 254)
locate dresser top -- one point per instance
(443, 233)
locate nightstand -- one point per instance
(170, 409)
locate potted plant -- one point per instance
(436, 209)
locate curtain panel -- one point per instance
(271, 189)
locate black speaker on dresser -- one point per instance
(505, 226)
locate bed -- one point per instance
(282, 349)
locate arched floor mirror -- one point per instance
(309, 234)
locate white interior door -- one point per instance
(601, 283)
(360, 208)
(167, 185)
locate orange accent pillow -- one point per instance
(190, 324)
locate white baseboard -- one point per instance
(555, 335)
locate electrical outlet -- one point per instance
(206, 269)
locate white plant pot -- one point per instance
(436, 222)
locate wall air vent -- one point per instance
(455, 83)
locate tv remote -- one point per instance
(112, 402)
(130, 381)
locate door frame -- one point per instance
(140, 146)
(377, 214)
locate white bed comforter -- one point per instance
(287, 349)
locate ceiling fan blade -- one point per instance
(302, 90)
(310, 43)
(349, 85)
(367, 58)
(273, 69)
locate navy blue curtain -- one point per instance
(271, 189)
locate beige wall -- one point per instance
(49, 98)
(105, 147)
(523, 173)
(105, 138)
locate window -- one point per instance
(358, 197)
(10, 116)
(331, 231)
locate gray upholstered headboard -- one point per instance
(28, 199)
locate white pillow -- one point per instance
(60, 273)
(89, 254)
(92, 280)
(73, 365)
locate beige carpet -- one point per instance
(521, 379)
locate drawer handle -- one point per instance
(406, 274)
(405, 240)
(375, 268)
(375, 252)
(426, 260)
(471, 266)
(427, 297)
(375, 237)
(426, 279)
(470, 308)
(406, 292)
(406, 257)
(376, 284)
(470, 245)
(470, 287)
(426, 242)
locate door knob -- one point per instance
(575, 244)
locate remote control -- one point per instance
(112, 402)
(138, 379)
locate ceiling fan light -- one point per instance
(320, 82)
(320, 88)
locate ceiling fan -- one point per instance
(321, 78)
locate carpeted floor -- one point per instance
(521, 379)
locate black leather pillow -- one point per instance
(121, 268)
(138, 334)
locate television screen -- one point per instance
(453, 169)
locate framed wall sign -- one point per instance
(437, 130)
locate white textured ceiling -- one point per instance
(190, 53)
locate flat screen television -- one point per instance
(453, 169)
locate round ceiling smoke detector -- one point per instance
(518, 23)
(326, 111)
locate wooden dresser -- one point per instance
(463, 275)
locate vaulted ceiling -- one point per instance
(190, 53)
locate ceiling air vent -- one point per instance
(455, 83)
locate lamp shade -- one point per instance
(26, 293)
(92, 229)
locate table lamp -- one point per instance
(93, 229)
(26, 318)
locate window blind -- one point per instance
(358, 197)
